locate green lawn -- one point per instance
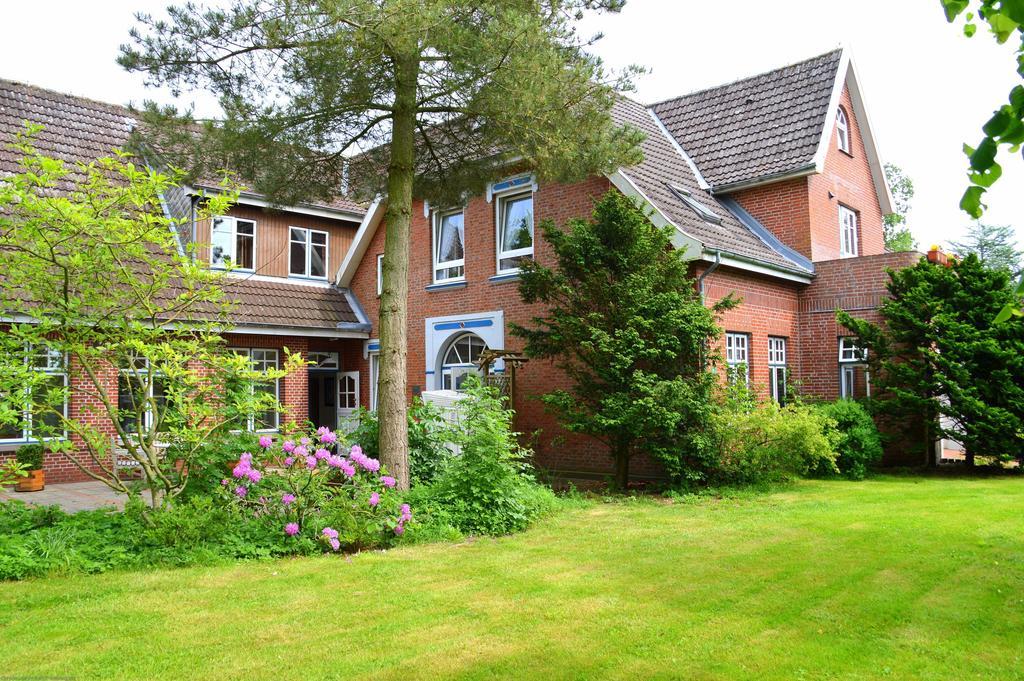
(893, 577)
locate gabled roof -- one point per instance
(766, 125)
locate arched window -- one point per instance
(460, 360)
(842, 130)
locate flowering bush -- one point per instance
(317, 488)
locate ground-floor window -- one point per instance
(854, 377)
(737, 357)
(263, 360)
(460, 360)
(777, 368)
(141, 394)
(52, 365)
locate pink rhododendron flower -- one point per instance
(372, 465)
(266, 442)
(288, 446)
(300, 451)
(348, 469)
(321, 453)
(335, 461)
(291, 529)
(241, 491)
(335, 544)
(330, 533)
(304, 441)
(310, 462)
(388, 481)
(356, 451)
(326, 436)
(399, 529)
(254, 475)
(374, 499)
(289, 460)
(240, 470)
(406, 512)
(287, 499)
(224, 481)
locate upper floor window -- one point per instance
(515, 231)
(233, 243)
(737, 357)
(307, 254)
(847, 232)
(842, 131)
(449, 247)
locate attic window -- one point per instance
(702, 211)
(842, 131)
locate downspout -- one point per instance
(705, 273)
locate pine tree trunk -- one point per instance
(391, 399)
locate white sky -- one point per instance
(928, 89)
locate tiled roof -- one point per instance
(78, 129)
(756, 127)
(665, 165)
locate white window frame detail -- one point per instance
(852, 358)
(847, 232)
(437, 221)
(250, 425)
(231, 228)
(141, 370)
(737, 352)
(380, 273)
(308, 245)
(56, 365)
(373, 359)
(776, 366)
(501, 199)
(842, 130)
(452, 371)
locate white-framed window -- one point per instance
(380, 273)
(854, 377)
(847, 232)
(460, 360)
(307, 253)
(323, 360)
(777, 368)
(449, 246)
(514, 213)
(737, 357)
(232, 243)
(139, 386)
(374, 358)
(53, 365)
(842, 130)
(263, 359)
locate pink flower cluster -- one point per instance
(331, 535)
(325, 435)
(244, 469)
(372, 465)
(291, 529)
(404, 517)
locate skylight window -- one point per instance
(702, 211)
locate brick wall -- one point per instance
(783, 208)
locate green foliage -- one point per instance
(995, 246)
(1005, 19)
(489, 487)
(212, 462)
(894, 225)
(11, 472)
(764, 442)
(429, 434)
(624, 321)
(940, 354)
(31, 456)
(859, 445)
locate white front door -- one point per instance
(348, 400)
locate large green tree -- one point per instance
(624, 320)
(995, 246)
(940, 356)
(441, 95)
(894, 225)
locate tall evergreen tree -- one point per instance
(625, 322)
(995, 246)
(446, 93)
(939, 355)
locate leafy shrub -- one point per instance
(214, 460)
(429, 435)
(30, 456)
(858, 444)
(766, 442)
(489, 487)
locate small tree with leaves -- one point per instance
(96, 286)
(624, 321)
(995, 246)
(938, 355)
(894, 225)
(441, 95)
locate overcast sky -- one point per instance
(927, 88)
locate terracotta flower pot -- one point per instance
(35, 482)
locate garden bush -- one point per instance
(765, 442)
(489, 488)
(858, 443)
(429, 435)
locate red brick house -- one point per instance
(773, 185)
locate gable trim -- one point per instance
(680, 239)
(360, 243)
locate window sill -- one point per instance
(446, 285)
(501, 278)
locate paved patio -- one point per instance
(71, 496)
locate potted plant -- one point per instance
(31, 457)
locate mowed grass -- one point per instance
(889, 578)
